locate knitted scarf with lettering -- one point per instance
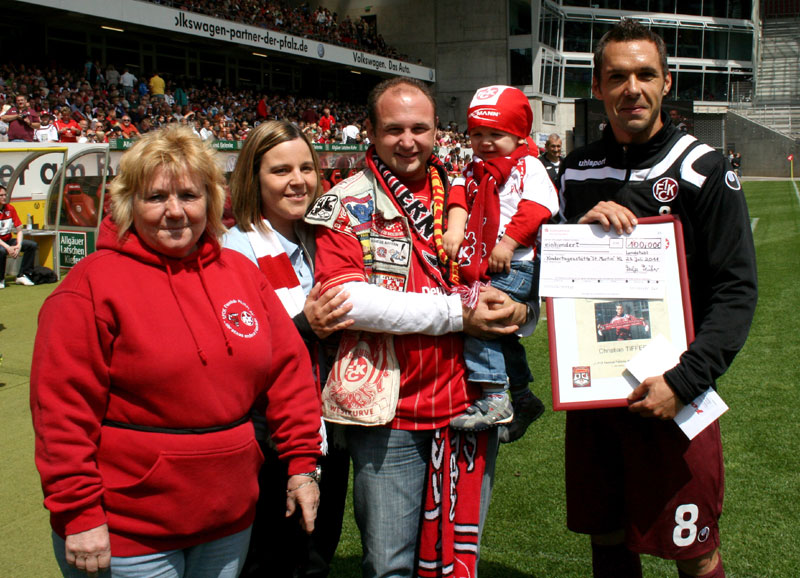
(427, 243)
(483, 182)
(449, 537)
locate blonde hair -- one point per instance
(246, 199)
(177, 150)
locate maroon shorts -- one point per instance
(643, 475)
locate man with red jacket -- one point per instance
(129, 129)
(326, 121)
(398, 288)
(68, 129)
(9, 222)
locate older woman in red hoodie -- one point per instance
(147, 361)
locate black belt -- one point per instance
(169, 430)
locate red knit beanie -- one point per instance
(502, 107)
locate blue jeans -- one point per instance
(221, 558)
(503, 360)
(389, 470)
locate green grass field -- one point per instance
(525, 533)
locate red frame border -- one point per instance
(680, 250)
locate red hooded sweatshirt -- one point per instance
(141, 340)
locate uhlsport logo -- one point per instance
(665, 190)
(239, 318)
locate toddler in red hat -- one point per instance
(494, 213)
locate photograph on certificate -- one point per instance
(621, 328)
(622, 320)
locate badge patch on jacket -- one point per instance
(239, 319)
(665, 189)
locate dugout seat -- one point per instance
(79, 207)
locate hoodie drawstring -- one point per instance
(200, 352)
(217, 317)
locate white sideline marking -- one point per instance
(796, 191)
(753, 223)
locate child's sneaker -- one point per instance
(489, 411)
(527, 409)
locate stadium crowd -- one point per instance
(99, 107)
(93, 103)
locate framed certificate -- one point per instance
(608, 297)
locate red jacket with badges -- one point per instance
(433, 388)
(143, 367)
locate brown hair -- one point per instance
(628, 30)
(178, 151)
(245, 187)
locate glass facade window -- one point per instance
(557, 79)
(717, 8)
(690, 42)
(663, 6)
(550, 81)
(521, 63)
(547, 78)
(741, 9)
(741, 46)
(549, 29)
(577, 36)
(715, 44)
(715, 86)
(705, 43)
(548, 112)
(693, 7)
(636, 5)
(577, 82)
(690, 85)
(519, 17)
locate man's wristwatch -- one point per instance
(316, 475)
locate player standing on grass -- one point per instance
(636, 483)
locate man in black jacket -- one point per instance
(635, 483)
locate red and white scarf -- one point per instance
(274, 263)
(277, 268)
(451, 520)
(483, 182)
